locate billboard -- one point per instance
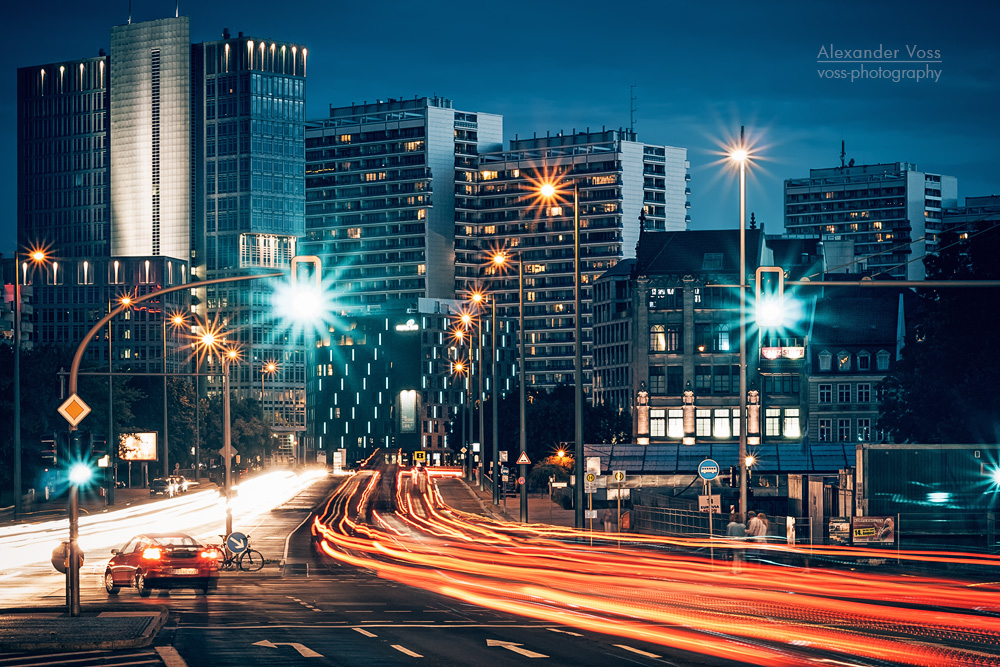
(137, 447)
(873, 530)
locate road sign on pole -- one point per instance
(618, 475)
(523, 460)
(74, 410)
(708, 469)
(503, 455)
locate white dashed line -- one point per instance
(403, 649)
(635, 650)
(365, 632)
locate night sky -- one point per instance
(700, 70)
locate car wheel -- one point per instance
(109, 584)
(140, 585)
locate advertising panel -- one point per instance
(137, 447)
(873, 530)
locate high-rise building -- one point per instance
(62, 157)
(250, 194)
(150, 138)
(890, 213)
(619, 179)
(388, 183)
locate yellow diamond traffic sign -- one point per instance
(74, 410)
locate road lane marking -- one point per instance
(365, 632)
(516, 648)
(170, 656)
(303, 650)
(403, 649)
(565, 632)
(635, 650)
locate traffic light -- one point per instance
(769, 296)
(49, 454)
(734, 476)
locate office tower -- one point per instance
(62, 157)
(249, 137)
(619, 180)
(388, 183)
(890, 213)
(150, 126)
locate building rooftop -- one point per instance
(696, 252)
(678, 459)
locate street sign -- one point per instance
(419, 456)
(589, 514)
(504, 470)
(237, 542)
(520, 480)
(74, 410)
(590, 477)
(618, 475)
(523, 460)
(708, 469)
(228, 452)
(593, 464)
(590, 487)
(504, 478)
(503, 455)
(712, 504)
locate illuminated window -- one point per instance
(657, 338)
(515, 173)
(421, 269)
(555, 211)
(675, 423)
(791, 425)
(657, 423)
(703, 422)
(529, 296)
(843, 361)
(828, 195)
(877, 225)
(864, 430)
(354, 233)
(772, 421)
(721, 426)
(487, 175)
(490, 229)
(375, 176)
(411, 146)
(421, 214)
(603, 180)
(825, 428)
(345, 138)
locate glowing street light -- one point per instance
(37, 257)
(501, 261)
(740, 155)
(548, 191)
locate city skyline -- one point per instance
(695, 85)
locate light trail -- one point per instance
(660, 590)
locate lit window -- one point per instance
(490, 229)
(488, 175)
(345, 138)
(703, 422)
(843, 361)
(657, 423)
(421, 213)
(657, 338)
(864, 430)
(421, 269)
(555, 211)
(791, 425)
(354, 233)
(772, 421)
(721, 426)
(675, 423)
(825, 426)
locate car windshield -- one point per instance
(176, 541)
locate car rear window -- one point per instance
(177, 541)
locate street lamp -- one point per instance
(740, 155)
(477, 298)
(268, 368)
(500, 260)
(548, 190)
(37, 256)
(461, 368)
(176, 321)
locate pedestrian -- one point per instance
(608, 518)
(765, 526)
(753, 523)
(736, 531)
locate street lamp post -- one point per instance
(500, 259)
(37, 257)
(230, 355)
(269, 368)
(477, 298)
(740, 156)
(548, 190)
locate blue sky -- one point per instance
(700, 70)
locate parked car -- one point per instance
(162, 486)
(180, 483)
(162, 560)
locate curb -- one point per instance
(158, 617)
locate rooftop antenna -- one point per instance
(177, 8)
(631, 109)
(843, 153)
(130, 12)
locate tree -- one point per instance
(250, 435)
(944, 388)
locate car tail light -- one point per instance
(151, 553)
(210, 553)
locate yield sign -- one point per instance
(522, 460)
(74, 410)
(228, 452)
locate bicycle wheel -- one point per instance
(251, 560)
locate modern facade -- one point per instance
(979, 213)
(891, 214)
(619, 179)
(249, 96)
(62, 157)
(385, 377)
(387, 185)
(150, 138)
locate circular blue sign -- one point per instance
(237, 542)
(708, 469)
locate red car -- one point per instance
(162, 560)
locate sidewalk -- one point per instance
(46, 629)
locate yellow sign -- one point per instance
(591, 477)
(419, 456)
(74, 410)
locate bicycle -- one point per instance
(249, 560)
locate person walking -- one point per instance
(608, 519)
(736, 531)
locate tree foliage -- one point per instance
(944, 388)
